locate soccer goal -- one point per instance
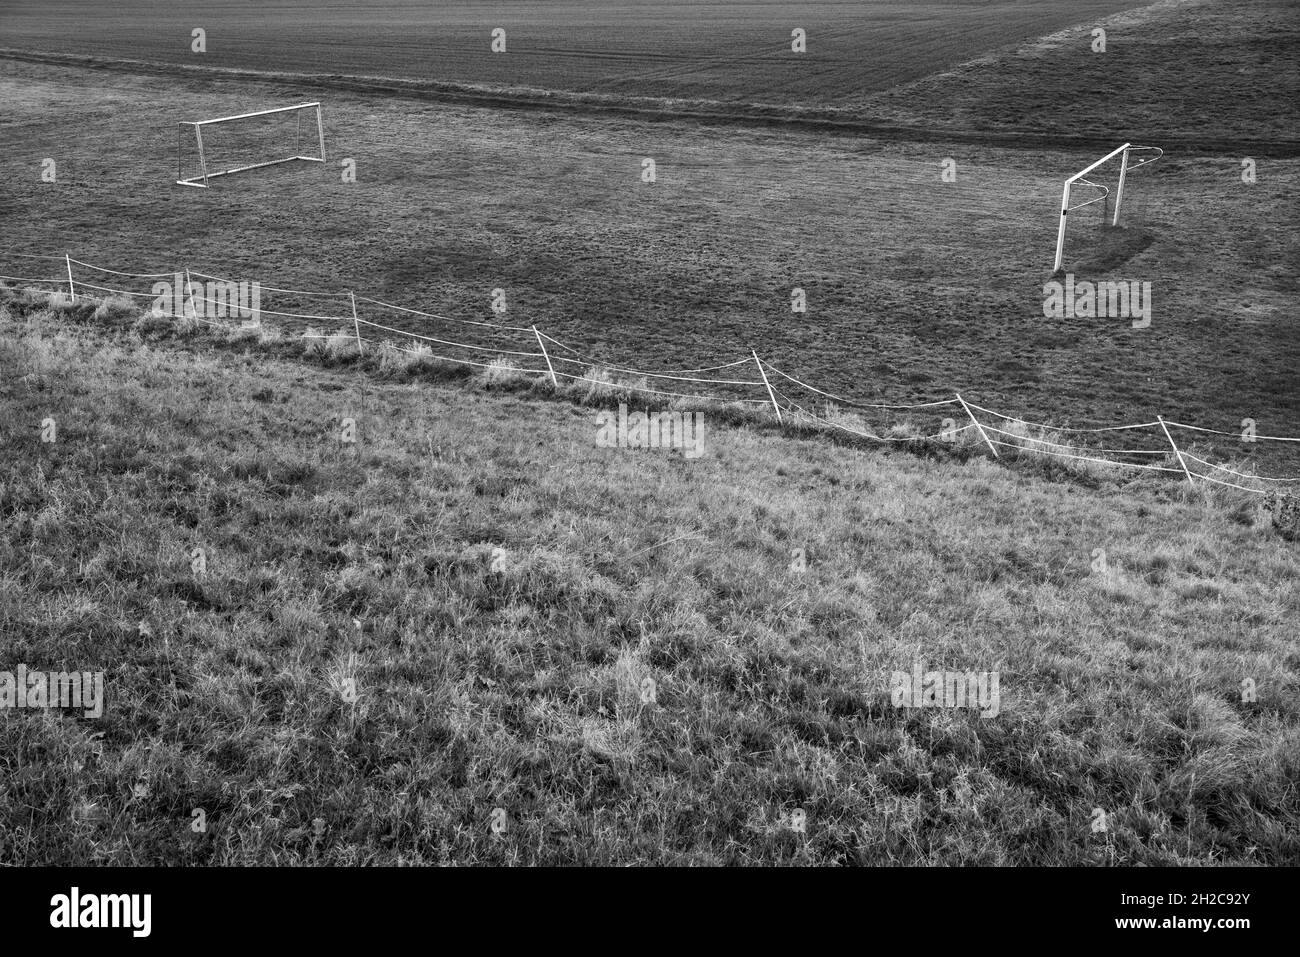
(1105, 181)
(233, 144)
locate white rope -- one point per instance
(445, 342)
(430, 315)
(132, 275)
(1023, 443)
(117, 292)
(867, 435)
(868, 405)
(1085, 458)
(1243, 488)
(289, 315)
(559, 343)
(657, 375)
(1224, 468)
(589, 360)
(262, 287)
(62, 281)
(1027, 438)
(1053, 428)
(619, 387)
(58, 259)
(1197, 428)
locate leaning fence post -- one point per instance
(356, 323)
(187, 301)
(1177, 452)
(546, 356)
(976, 422)
(71, 291)
(770, 394)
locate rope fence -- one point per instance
(1013, 437)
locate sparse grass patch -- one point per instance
(595, 387)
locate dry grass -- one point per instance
(114, 309)
(501, 372)
(460, 610)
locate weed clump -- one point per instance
(1284, 507)
(118, 310)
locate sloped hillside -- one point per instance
(464, 631)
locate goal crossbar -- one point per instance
(249, 116)
(1078, 178)
(201, 180)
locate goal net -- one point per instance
(206, 149)
(1102, 193)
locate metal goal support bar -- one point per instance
(1078, 177)
(1065, 198)
(197, 126)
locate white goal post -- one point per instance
(1124, 168)
(204, 174)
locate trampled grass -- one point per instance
(473, 614)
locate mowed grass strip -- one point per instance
(474, 615)
(701, 49)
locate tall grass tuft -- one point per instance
(500, 372)
(341, 345)
(840, 418)
(313, 343)
(399, 358)
(595, 386)
(59, 301)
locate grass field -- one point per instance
(696, 49)
(433, 644)
(1213, 76)
(916, 288)
(358, 675)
